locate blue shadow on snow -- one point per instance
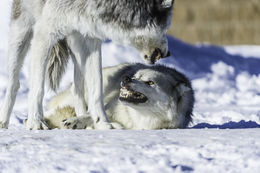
(196, 61)
(229, 125)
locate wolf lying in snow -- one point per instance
(137, 96)
(59, 28)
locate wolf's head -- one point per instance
(140, 23)
(160, 90)
(152, 47)
(152, 41)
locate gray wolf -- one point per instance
(59, 28)
(136, 96)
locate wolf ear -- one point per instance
(167, 3)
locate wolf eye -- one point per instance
(149, 83)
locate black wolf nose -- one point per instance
(157, 54)
(126, 80)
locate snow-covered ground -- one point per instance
(162, 151)
(224, 135)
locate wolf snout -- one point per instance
(157, 55)
(125, 80)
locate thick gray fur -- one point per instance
(16, 9)
(57, 63)
(168, 85)
(169, 101)
(133, 13)
(54, 27)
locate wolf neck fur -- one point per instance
(139, 119)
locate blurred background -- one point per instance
(223, 22)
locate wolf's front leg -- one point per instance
(41, 45)
(94, 82)
(82, 122)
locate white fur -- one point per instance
(54, 20)
(162, 110)
(18, 46)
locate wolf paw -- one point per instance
(78, 123)
(102, 125)
(3, 125)
(35, 125)
(117, 126)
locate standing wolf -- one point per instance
(59, 28)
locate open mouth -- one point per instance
(132, 96)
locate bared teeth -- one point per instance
(125, 93)
(129, 95)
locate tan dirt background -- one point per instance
(225, 22)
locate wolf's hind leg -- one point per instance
(87, 54)
(94, 82)
(77, 44)
(19, 41)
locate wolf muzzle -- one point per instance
(125, 81)
(157, 55)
